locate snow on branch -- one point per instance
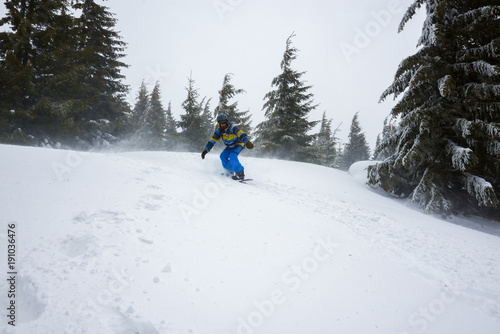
(481, 190)
(477, 14)
(480, 67)
(399, 85)
(447, 86)
(464, 126)
(414, 154)
(490, 50)
(482, 91)
(408, 72)
(429, 196)
(494, 148)
(428, 36)
(288, 138)
(462, 158)
(492, 129)
(409, 13)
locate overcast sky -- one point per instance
(350, 51)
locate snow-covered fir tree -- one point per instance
(100, 51)
(447, 145)
(171, 129)
(35, 37)
(60, 75)
(208, 121)
(385, 147)
(285, 131)
(171, 134)
(325, 144)
(236, 117)
(357, 148)
(157, 120)
(141, 105)
(192, 123)
(151, 132)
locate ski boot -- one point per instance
(239, 176)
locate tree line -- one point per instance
(285, 132)
(61, 85)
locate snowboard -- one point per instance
(230, 175)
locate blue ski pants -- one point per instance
(229, 158)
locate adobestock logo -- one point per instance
(223, 6)
(202, 198)
(419, 321)
(364, 36)
(293, 278)
(72, 161)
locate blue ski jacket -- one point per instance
(232, 136)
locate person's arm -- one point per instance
(242, 137)
(215, 138)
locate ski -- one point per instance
(244, 180)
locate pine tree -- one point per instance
(59, 75)
(171, 129)
(100, 50)
(58, 85)
(447, 146)
(192, 122)
(236, 117)
(31, 63)
(325, 143)
(208, 120)
(376, 153)
(151, 132)
(284, 132)
(171, 134)
(157, 119)
(141, 105)
(357, 148)
(385, 147)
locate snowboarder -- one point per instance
(235, 140)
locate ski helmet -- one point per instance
(222, 118)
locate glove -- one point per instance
(205, 151)
(249, 145)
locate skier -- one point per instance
(235, 140)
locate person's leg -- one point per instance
(225, 159)
(236, 166)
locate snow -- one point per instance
(446, 85)
(462, 158)
(160, 242)
(479, 67)
(480, 188)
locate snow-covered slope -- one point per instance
(163, 243)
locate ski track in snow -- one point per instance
(155, 228)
